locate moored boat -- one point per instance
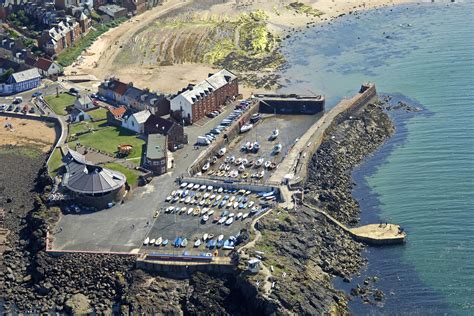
(229, 221)
(246, 128)
(165, 242)
(213, 160)
(256, 147)
(259, 162)
(274, 134)
(206, 167)
(158, 241)
(222, 151)
(146, 241)
(277, 148)
(197, 243)
(184, 242)
(267, 164)
(220, 237)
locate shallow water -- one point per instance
(423, 177)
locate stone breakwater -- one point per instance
(304, 249)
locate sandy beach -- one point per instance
(100, 60)
(19, 132)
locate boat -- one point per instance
(152, 241)
(206, 195)
(244, 162)
(210, 212)
(190, 211)
(222, 151)
(196, 212)
(218, 197)
(165, 242)
(231, 159)
(175, 199)
(250, 163)
(272, 166)
(238, 161)
(241, 168)
(212, 197)
(210, 236)
(222, 220)
(211, 244)
(184, 242)
(260, 174)
(245, 175)
(146, 241)
(277, 149)
(183, 185)
(236, 205)
(169, 198)
(158, 241)
(231, 215)
(251, 203)
(204, 211)
(182, 210)
(177, 241)
(206, 167)
(197, 243)
(249, 146)
(246, 128)
(196, 187)
(229, 221)
(205, 218)
(256, 147)
(239, 215)
(187, 200)
(245, 215)
(190, 186)
(259, 162)
(227, 167)
(234, 174)
(211, 172)
(220, 243)
(267, 164)
(215, 218)
(229, 204)
(220, 190)
(205, 236)
(220, 237)
(213, 160)
(274, 134)
(222, 166)
(225, 213)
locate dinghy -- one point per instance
(165, 242)
(267, 164)
(222, 152)
(146, 241)
(277, 149)
(256, 147)
(197, 243)
(205, 236)
(246, 128)
(274, 134)
(158, 241)
(259, 162)
(206, 167)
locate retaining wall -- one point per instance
(182, 268)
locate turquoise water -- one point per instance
(423, 178)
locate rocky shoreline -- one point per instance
(303, 249)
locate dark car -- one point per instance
(73, 91)
(10, 108)
(37, 94)
(17, 109)
(32, 110)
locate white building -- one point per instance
(136, 121)
(84, 103)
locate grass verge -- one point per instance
(131, 175)
(60, 103)
(55, 163)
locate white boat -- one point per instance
(245, 162)
(204, 211)
(210, 236)
(229, 204)
(152, 241)
(238, 161)
(241, 168)
(220, 190)
(259, 162)
(184, 243)
(249, 146)
(196, 186)
(197, 243)
(232, 198)
(220, 237)
(236, 205)
(277, 149)
(169, 198)
(274, 134)
(212, 197)
(219, 196)
(267, 164)
(210, 188)
(210, 212)
(206, 195)
(222, 220)
(234, 174)
(222, 152)
(245, 215)
(206, 166)
(205, 218)
(229, 221)
(260, 174)
(187, 200)
(246, 128)
(190, 210)
(146, 241)
(239, 215)
(251, 203)
(183, 185)
(202, 187)
(189, 186)
(213, 160)
(158, 241)
(204, 237)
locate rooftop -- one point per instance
(156, 146)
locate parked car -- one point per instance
(73, 91)
(101, 98)
(3, 107)
(32, 110)
(37, 94)
(211, 115)
(17, 100)
(93, 95)
(17, 109)
(10, 108)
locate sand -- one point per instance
(26, 132)
(98, 60)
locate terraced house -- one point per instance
(194, 102)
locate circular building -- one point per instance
(92, 185)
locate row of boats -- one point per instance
(225, 217)
(182, 242)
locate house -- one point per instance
(77, 115)
(136, 121)
(135, 6)
(47, 68)
(134, 98)
(83, 102)
(173, 131)
(156, 157)
(6, 64)
(21, 81)
(115, 115)
(194, 102)
(113, 11)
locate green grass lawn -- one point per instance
(99, 114)
(108, 138)
(85, 126)
(55, 162)
(60, 103)
(132, 175)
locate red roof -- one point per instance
(43, 63)
(119, 87)
(117, 112)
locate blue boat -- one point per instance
(241, 205)
(165, 242)
(215, 203)
(246, 199)
(222, 204)
(220, 243)
(225, 213)
(226, 197)
(212, 244)
(177, 241)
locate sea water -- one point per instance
(422, 178)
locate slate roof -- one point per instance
(157, 124)
(26, 75)
(141, 116)
(84, 177)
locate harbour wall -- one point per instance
(184, 269)
(304, 150)
(290, 104)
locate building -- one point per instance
(9, 65)
(21, 81)
(83, 102)
(47, 68)
(136, 121)
(194, 102)
(134, 98)
(115, 115)
(77, 115)
(113, 11)
(156, 157)
(135, 6)
(173, 131)
(90, 184)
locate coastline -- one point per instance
(98, 60)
